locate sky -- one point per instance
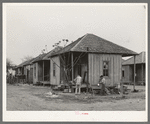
(29, 27)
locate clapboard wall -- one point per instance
(129, 73)
(40, 71)
(95, 64)
(55, 80)
(128, 77)
(35, 73)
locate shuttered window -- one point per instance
(105, 68)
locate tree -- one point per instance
(9, 63)
(26, 58)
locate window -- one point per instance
(122, 73)
(105, 68)
(54, 69)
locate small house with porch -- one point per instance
(41, 67)
(89, 56)
(128, 69)
(28, 71)
(21, 72)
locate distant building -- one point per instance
(128, 69)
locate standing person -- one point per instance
(102, 82)
(78, 80)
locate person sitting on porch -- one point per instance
(78, 81)
(102, 82)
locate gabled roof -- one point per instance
(39, 57)
(30, 61)
(68, 47)
(46, 55)
(22, 64)
(138, 60)
(95, 44)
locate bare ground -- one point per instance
(33, 98)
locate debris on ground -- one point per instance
(51, 94)
(135, 90)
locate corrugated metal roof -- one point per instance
(96, 44)
(139, 59)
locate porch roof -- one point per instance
(94, 44)
(138, 60)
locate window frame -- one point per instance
(106, 70)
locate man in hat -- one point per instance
(102, 82)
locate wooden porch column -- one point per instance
(134, 72)
(88, 69)
(142, 73)
(72, 65)
(43, 70)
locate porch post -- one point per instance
(87, 73)
(88, 69)
(43, 70)
(134, 72)
(142, 74)
(72, 65)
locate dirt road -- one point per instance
(34, 98)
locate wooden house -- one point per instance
(128, 69)
(41, 67)
(20, 68)
(20, 72)
(28, 71)
(90, 56)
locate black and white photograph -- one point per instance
(75, 62)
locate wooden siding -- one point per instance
(55, 80)
(96, 68)
(35, 77)
(128, 73)
(46, 69)
(40, 71)
(31, 75)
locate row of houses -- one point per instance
(90, 56)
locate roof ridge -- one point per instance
(79, 41)
(53, 50)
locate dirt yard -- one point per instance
(25, 97)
